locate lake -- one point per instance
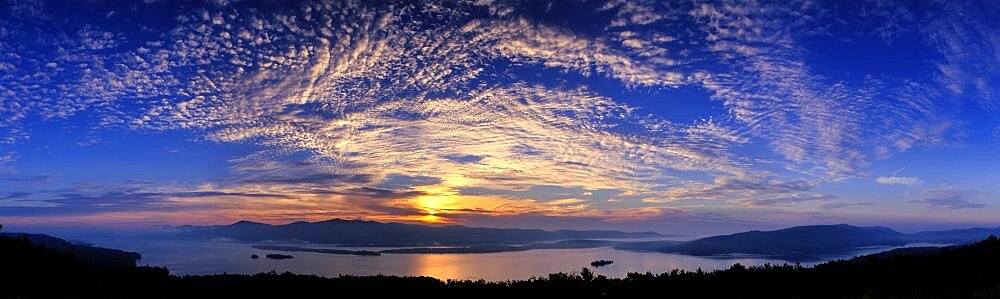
(203, 257)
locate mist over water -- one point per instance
(196, 258)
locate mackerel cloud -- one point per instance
(357, 93)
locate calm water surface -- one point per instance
(190, 257)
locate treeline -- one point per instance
(971, 271)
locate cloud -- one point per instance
(965, 34)
(793, 200)
(282, 202)
(363, 108)
(823, 127)
(952, 199)
(26, 178)
(382, 97)
(841, 205)
(736, 188)
(899, 180)
(524, 41)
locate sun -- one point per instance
(433, 205)
(432, 219)
(438, 199)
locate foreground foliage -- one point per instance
(970, 271)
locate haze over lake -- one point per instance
(214, 257)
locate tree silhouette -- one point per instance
(586, 274)
(967, 271)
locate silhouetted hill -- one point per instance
(955, 236)
(800, 243)
(908, 251)
(808, 242)
(794, 243)
(96, 256)
(371, 233)
(967, 271)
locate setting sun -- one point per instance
(496, 140)
(434, 204)
(432, 219)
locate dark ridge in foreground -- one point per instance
(968, 271)
(86, 254)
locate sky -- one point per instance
(684, 117)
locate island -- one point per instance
(388, 234)
(960, 271)
(601, 263)
(277, 256)
(317, 250)
(567, 244)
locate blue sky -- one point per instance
(685, 117)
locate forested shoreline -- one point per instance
(968, 271)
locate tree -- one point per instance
(586, 274)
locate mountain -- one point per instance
(94, 256)
(795, 241)
(955, 236)
(808, 242)
(963, 271)
(371, 233)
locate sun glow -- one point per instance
(438, 199)
(432, 219)
(435, 204)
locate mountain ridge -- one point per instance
(98, 257)
(962, 271)
(809, 241)
(369, 233)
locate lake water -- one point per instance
(190, 257)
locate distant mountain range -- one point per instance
(800, 243)
(955, 236)
(962, 271)
(371, 233)
(806, 242)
